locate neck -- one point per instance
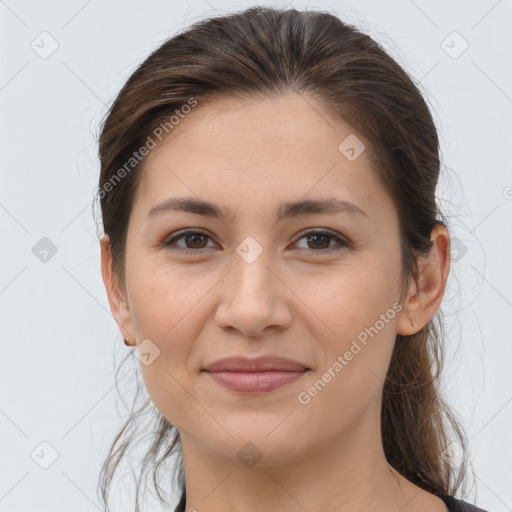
(345, 473)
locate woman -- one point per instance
(273, 249)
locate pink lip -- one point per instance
(257, 375)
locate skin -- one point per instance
(308, 305)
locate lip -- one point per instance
(255, 375)
(256, 364)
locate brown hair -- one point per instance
(262, 52)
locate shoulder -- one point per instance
(456, 505)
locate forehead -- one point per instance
(257, 151)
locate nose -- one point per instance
(254, 298)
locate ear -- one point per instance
(117, 299)
(425, 296)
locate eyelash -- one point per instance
(342, 242)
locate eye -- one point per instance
(196, 239)
(320, 240)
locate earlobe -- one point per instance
(116, 298)
(425, 295)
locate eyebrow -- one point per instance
(286, 210)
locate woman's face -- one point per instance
(253, 283)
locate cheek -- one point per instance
(349, 382)
(358, 311)
(168, 309)
(162, 298)
(347, 300)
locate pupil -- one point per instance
(194, 238)
(316, 236)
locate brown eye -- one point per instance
(320, 241)
(194, 241)
(317, 241)
(197, 240)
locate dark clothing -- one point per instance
(455, 505)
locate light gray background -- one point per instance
(59, 341)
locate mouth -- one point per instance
(254, 376)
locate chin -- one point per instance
(259, 448)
